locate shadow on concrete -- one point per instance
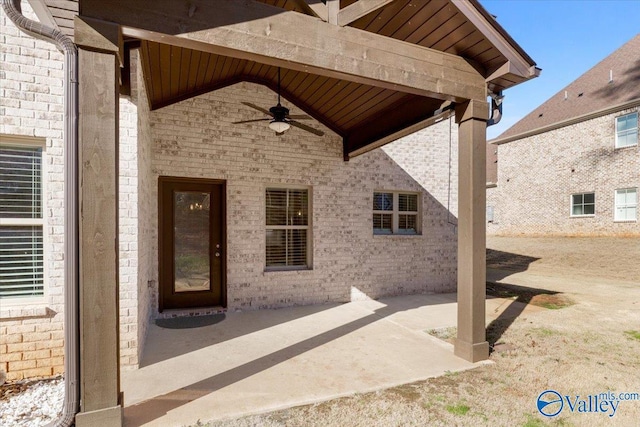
(147, 411)
(170, 338)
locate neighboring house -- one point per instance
(290, 222)
(572, 166)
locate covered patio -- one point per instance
(371, 71)
(240, 363)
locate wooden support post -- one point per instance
(98, 75)
(471, 343)
(333, 9)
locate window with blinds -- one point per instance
(395, 213)
(21, 223)
(287, 228)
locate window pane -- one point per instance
(20, 182)
(626, 204)
(577, 210)
(408, 202)
(382, 222)
(631, 196)
(191, 241)
(296, 247)
(577, 199)
(589, 198)
(276, 248)
(589, 210)
(298, 205)
(21, 262)
(407, 223)
(627, 130)
(382, 201)
(276, 206)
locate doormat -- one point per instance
(189, 322)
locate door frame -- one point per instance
(162, 237)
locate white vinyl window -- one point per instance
(626, 204)
(395, 212)
(287, 228)
(21, 222)
(627, 130)
(583, 204)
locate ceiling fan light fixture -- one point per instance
(279, 126)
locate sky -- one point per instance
(565, 38)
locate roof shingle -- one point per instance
(591, 92)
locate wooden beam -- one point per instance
(266, 34)
(359, 9)
(333, 9)
(43, 13)
(314, 8)
(99, 35)
(98, 89)
(384, 140)
(390, 124)
(520, 64)
(471, 343)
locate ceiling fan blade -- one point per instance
(299, 117)
(255, 107)
(251, 121)
(305, 127)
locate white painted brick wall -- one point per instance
(195, 138)
(537, 175)
(31, 104)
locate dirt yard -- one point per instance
(585, 342)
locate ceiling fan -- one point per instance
(279, 118)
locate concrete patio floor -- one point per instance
(259, 361)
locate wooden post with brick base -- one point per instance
(98, 69)
(471, 343)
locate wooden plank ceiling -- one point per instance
(173, 74)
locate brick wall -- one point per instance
(195, 138)
(31, 105)
(136, 270)
(537, 176)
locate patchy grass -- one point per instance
(545, 332)
(444, 334)
(633, 334)
(459, 409)
(533, 421)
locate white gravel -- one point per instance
(36, 406)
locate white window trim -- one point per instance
(616, 146)
(308, 227)
(615, 205)
(395, 214)
(584, 215)
(30, 306)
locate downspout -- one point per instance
(70, 137)
(496, 108)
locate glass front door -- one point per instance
(191, 243)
